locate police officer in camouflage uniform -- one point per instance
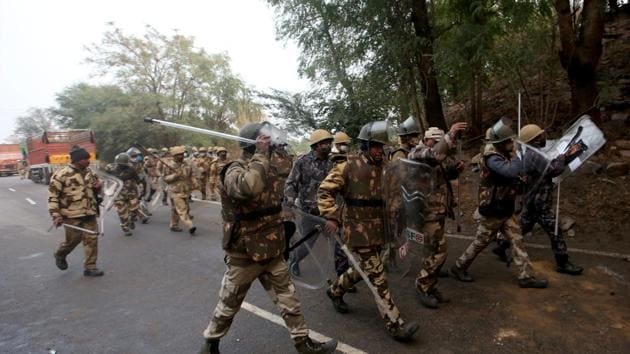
(309, 170)
(359, 182)
(434, 152)
(127, 200)
(254, 241)
(340, 154)
(151, 169)
(72, 200)
(216, 167)
(203, 165)
(500, 178)
(178, 176)
(166, 159)
(538, 201)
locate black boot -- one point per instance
(500, 252)
(60, 262)
(532, 282)
(564, 266)
(337, 301)
(461, 274)
(210, 346)
(405, 332)
(307, 345)
(428, 299)
(94, 272)
(151, 193)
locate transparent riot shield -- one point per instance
(393, 213)
(310, 252)
(583, 132)
(111, 187)
(536, 164)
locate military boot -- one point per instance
(337, 301)
(127, 232)
(192, 230)
(307, 345)
(405, 332)
(94, 272)
(61, 262)
(532, 282)
(210, 346)
(461, 274)
(176, 229)
(428, 299)
(500, 252)
(564, 266)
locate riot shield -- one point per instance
(111, 187)
(535, 164)
(417, 185)
(310, 252)
(583, 132)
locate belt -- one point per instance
(369, 203)
(256, 214)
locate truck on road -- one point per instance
(10, 156)
(51, 151)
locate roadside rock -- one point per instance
(617, 169)
(566, 223)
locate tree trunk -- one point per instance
(429, 85)
(581, 49)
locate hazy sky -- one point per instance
(41, 43)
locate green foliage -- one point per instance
(34, 122)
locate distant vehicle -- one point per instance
(10, 156)
(51, 151)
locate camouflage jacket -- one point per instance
(359, 181)
(130, 180)
(304, 180)
(215, 169)
(251, 197)
(179, 177)
(203, 165)
(72, 193)
(151, 167)
(441, 200)
(401, 152)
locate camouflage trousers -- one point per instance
(427, 278)
(273, 274)
(127, 211)
(487, 229)
(213, 192)
(538, 209)
(180, 210)
(154, 182)
(74, 237)
(371, 263)
(202, 182)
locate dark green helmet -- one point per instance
(249, 131)
(122, 159)
(377, 132)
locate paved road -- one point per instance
(160, 288)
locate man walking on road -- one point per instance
(179, 176)
(254, 241)
(72, 201)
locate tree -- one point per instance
(581, 31)
(34, 122)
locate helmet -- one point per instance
(318, 136)
(221, 149)
(530, 132)
(375, 132)
(342, 138)
(194, 149)
(203, 150)
(176, 150)
(249, 131)
(409, 126)
(151, 150)
(434, 133)
(500, 131)
(122, 159)
(133, 151)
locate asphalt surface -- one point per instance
(160, 288)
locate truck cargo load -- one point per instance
(10, 156)
(51, 151)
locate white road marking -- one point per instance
(30, 256)
(341, 347)
(12, 190)
(206, 201)
(30, 201)
(544, 247)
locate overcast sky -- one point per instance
(41, 43)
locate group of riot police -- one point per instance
(172, 173)
(379, 201)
